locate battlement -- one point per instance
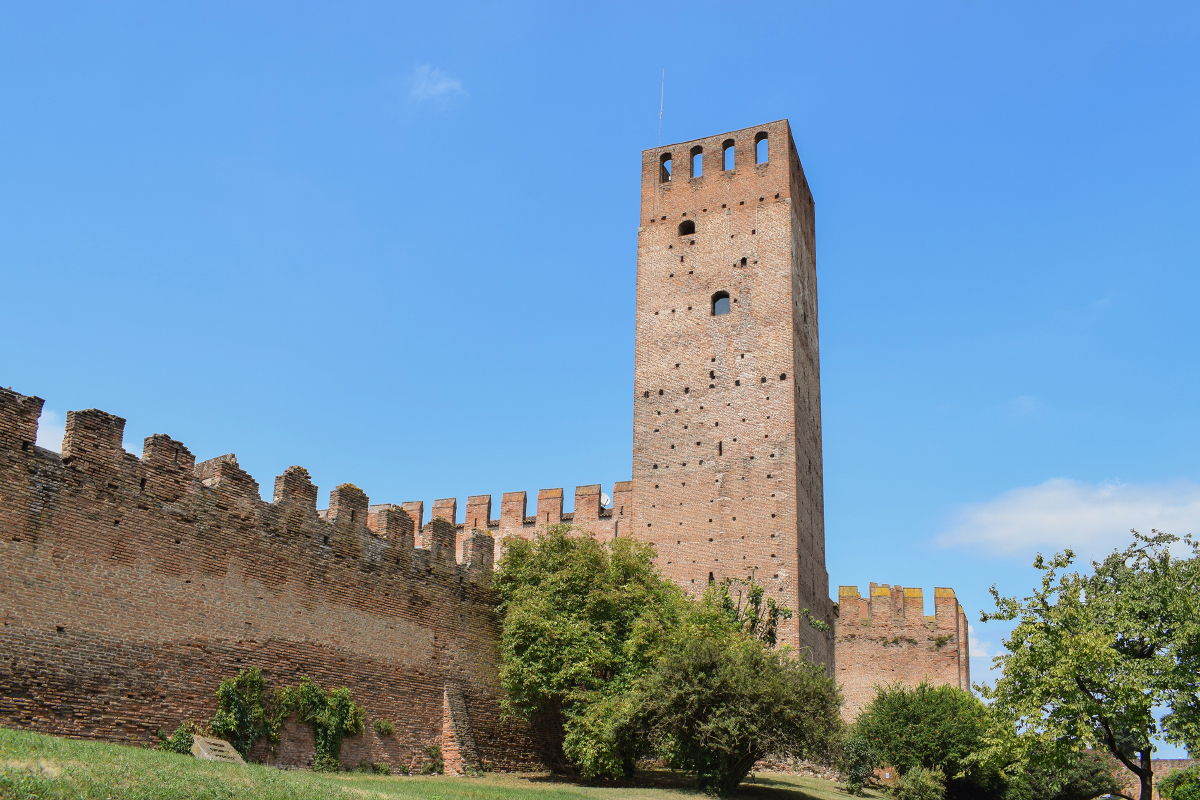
(895, 602)
(168, 470)
(174, 574)
(514, 519)
(887, 637)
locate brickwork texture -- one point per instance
(133, 586)
(887, 638)
(727, 474)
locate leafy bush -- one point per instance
(1182, 784)
(583, 620)
(931, 727)
(858, 761)
(435, 765)
(717, 704)
(242, 716)
(181, 740)
(920, 784)
(383, 727)
(1085, 776)
(381, 769)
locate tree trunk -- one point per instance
(1146, 775)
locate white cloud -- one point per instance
(977, 647)
(1060, 513)
(50, 430)
(432, 84)
(981, 652)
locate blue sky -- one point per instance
(396, 244)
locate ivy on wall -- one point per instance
(247, 712)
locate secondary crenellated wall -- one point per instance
(133, 586)
(887, 638)
(514, 519)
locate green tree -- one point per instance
(1093, 656)
(1085, 776)
(1182, 784)
(716, 704)
(582, 621)
(931, 727)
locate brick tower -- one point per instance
(727, 413)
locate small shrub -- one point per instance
(921, 784)
(1182, 784)
(383, 727)
(858, 762)
(435, 765)
(363, 766)
(383, 769)
(242, 716)
(181, 740)
(404, 769)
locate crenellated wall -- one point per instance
(514, 519)
(888, 638)
(133, 586)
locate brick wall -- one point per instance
(133, 586)
(727, 469)
(887, 638)
(1162, 767)
(514, 519)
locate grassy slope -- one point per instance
(36, 766)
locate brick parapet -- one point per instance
(133, 586)
(514, 520)
(886, 638)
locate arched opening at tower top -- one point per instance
(687, 227)
(760, 148)
(697, 161)
(720, 304)
(664, 168)
(728, 151)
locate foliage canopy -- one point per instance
(717, 705)
(583, 621)
(1093, 656)
(930, 727)
(594, 633)
(1183, 784)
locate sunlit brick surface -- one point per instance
(727, 409)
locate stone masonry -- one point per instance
(727, 471)
(888, 639)
(133, 586)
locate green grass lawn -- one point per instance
(37, 766)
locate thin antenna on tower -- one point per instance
(661, 95)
